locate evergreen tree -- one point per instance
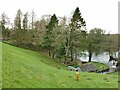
(5, 31)
(17, 21)
(3, 21)
(33, 17)
(49, 34)
(77, 24)
(25, 22)
(61, 51)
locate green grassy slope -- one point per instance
(28, 69)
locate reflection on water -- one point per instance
(102, 58)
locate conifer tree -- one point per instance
(49, 34)
(25, 22)
(77, 24)
(17, 21)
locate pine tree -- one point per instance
(77, 23)
(17, 21)
(3, 21)
(33, 16)
(5, 31)
(25, 22)
(61, 51)
(49, 34)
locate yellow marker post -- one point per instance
(77, 75)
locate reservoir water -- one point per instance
(102, 58)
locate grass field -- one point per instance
(28, 69)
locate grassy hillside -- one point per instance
(28, 69)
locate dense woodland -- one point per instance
(59, 38)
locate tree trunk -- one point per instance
(65, 62)
(49, 53)
(90, 55)
(53, 56)
(76, 56)
(71, 53)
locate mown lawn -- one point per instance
(28, 69)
